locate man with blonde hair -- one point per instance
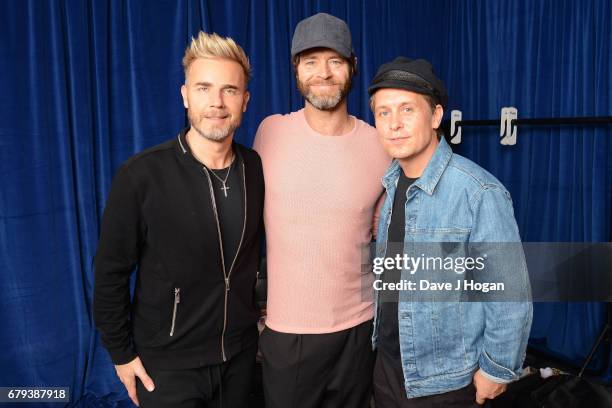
(188, 214)
(452, 347)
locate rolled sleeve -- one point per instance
(507, 323)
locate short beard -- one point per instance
(325, 103)
(215, 134)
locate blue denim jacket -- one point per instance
(442, 344)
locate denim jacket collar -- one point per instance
(432, 173)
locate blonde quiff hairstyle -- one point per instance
(214, 46)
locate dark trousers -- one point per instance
(318, 370)
(226, 385)
(389, 391)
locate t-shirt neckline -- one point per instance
(328, 137)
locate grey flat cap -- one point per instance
(322, 30)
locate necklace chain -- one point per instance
(223, 180)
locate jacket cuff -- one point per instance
(496, 372)
(122, 356)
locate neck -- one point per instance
(330, 123)
(413, 167)
(212, 154)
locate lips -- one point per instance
(398, 140)
(217, 116)
(323, 84)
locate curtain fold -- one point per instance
(87, 84)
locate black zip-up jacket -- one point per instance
(161, 218)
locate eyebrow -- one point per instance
(224, 86)
(411, 103)
(312, 57)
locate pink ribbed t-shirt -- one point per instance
(320, 197)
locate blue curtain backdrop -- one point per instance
(84, 85)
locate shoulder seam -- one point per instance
(149, 151)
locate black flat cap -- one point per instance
(412, 75)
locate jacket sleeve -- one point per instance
(508, 322)
(116, 257)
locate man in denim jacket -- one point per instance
(442, 348)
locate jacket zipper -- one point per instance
(226, 276)
(177, 300)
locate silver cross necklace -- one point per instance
(223, 180)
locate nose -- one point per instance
(324, 72)
(216, 99)
(395, 123)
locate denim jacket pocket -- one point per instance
(439, 339)
(439, 325)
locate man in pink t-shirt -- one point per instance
(323, 170)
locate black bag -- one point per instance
(559, 391)
(574, 392)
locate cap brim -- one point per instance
(320, 44)
(389, 83)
